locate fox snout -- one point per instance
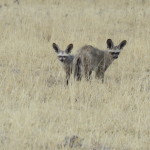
(115, 57)
(115, 54)
(62, 58)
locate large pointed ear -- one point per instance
(110, 44)
(69, 48)
(56, 48)
(122, 44)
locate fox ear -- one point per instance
(69, 48)
(56, 48)
(122, 44)
(110, 44)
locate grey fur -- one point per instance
(66, 59)
(90, 59)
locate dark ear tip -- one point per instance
(125, 42)
(55, 47)
(71, 45)
(109, 40)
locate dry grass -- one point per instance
(37, 111)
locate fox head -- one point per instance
(115, 50)
(63, 55)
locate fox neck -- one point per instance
(108, 60)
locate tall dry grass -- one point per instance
(37, 111)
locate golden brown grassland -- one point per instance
(37, 111)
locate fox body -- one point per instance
(66, 59)
(89, 59)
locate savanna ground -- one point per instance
(37, 110)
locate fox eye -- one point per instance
(112, 53)
(61, 56)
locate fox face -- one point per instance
(63, 57)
